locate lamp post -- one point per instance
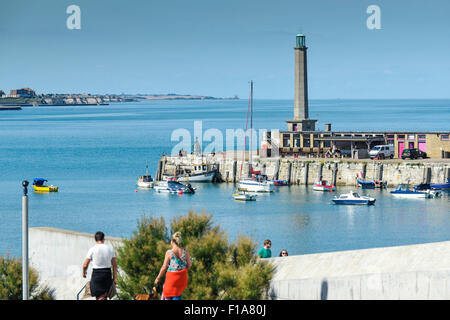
(25, 283)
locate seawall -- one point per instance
(391, 273)
(306, 171)
(404, 272)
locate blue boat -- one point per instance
(420, 191)
(173, 187)
(371, 184)
(441, 186)
(366, 184)
(353, 198)
(280, 182)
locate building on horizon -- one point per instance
(22, 93)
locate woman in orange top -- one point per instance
(176, 263)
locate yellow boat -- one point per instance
(39, 186)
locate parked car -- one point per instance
(383, 151)
(413, 154)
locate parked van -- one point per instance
(384, 151)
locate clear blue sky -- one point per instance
(210, 47)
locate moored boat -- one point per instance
(39, 186)
(430, 192)
(371, 184)
(254, 185)
(353, 198)
(323, 185)
(173, 187)
(244, 195)
(146, 180)
(403, 191)
(441, 186)
(198, 173)
(280, 182)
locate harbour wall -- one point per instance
(305, 171)
(405, 272)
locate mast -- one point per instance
(250, 101)
(251, 124)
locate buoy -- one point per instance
(135, 190)
(180, 192)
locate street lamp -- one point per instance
(25, 286)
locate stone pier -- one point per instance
(307, 171)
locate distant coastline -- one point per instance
(88, 99)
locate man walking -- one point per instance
(102, 257)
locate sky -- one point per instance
(214, 48)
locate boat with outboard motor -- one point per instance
(173, 187)
(370, 184)
(38, 186)
(323, 185)
(426, 187)
(280, 182)
(422, 192)
(353, 198)
(244, 195)
(441, 186)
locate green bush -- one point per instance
(220, 270)
(11, 282)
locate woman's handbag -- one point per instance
(112, 291)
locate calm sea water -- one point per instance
(96, 153)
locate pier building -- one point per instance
(302, 140)
(356, 144)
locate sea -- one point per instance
(95, 155)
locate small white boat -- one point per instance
(323, 185)
(256, 186)
(244, 195)
(173, 187)
(146, 180)
(353, 198)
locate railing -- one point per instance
(79, 292)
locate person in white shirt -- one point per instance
(102, 257)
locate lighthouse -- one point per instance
(301, 121)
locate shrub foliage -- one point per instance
(220, 270)
(11, 281)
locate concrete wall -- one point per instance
(58, 256)
(405, 272)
